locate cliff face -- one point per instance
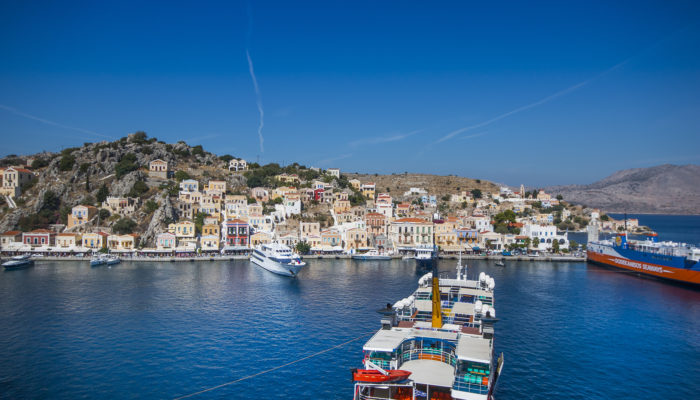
(663, 189)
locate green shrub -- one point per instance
(124, 226)
(138, 189)
(67, 162)
(126, 165)
(151, 206)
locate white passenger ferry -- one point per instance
(277, 258)
(437, 343)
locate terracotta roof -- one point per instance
(374, 214)
(236, 221)
(41, 231)
(415, 220)
(11, 233)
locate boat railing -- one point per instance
(429, 354)
(381, 363)
(470, 383)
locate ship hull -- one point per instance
(608, 257)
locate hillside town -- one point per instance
(316, 211)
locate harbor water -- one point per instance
(164, 330)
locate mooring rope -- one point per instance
(272, 369)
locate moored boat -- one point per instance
(277, 258)
(673, 261)
(371, 255)
(18, 262)
(426, 255)
(98, 260)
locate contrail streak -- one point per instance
(48, 122)
(531, 105)
(258, 100)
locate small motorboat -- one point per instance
(373, 375)
(98, 260)
(18, 262)
(500, 263)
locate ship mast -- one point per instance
(437, 310)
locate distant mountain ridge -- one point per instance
(663, 189)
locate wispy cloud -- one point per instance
(383, 139)
(53, 123)
(251, 69)
(473, 135)
(334, 159)
(540, 102)
(258, 101)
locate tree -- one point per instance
(102, 193)
(560, 197)
(103, 214)
(124, 226)
(139, 137)
(604, 217)
(199, 221)
(181, 176)
(303, 247)
(555, 246)
(476, 193)
(87, 182)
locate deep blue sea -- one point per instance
(163, 330)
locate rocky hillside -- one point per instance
(397, 184)
(85, 175)
(663, 189)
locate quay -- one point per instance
(548, 258)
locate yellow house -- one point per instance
(121, 242)
(356, 238)
(288, 178)
(182, 229)
(211, 229)
(67, 240)
(215, 187)
(283, 191)
(368, 190)
(80, 215)
(95, 240)
(341, 206)
(355, 183)
(447, 241)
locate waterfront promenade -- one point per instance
(553, 258)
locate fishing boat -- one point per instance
(371, 256)
(277, 258)
(443, 335)
(18, 262)
(672, 261)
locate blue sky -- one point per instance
(516, 92)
